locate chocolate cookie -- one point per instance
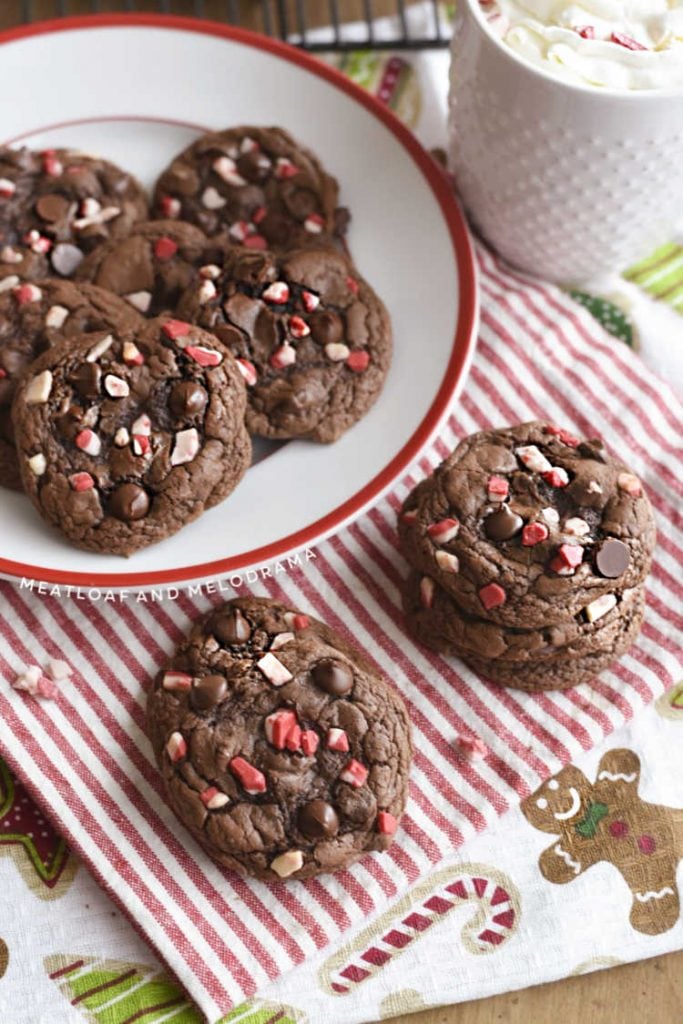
(526, 526)
(60, 204)
(282, 750)
(257, 186)
(312, 340)
(33, 318)
(554, 657)
(153, 266)
(123, 437)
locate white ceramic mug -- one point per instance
(564, 181)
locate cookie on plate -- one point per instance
(60, 204)
(33, 318)
(258, 186)
(551, 658)
(153, 265)
(124, 437)
(528, 525)
(312, 339)
(282, 750)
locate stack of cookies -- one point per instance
(121, 431)
(529, 551)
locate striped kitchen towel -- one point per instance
(85, 757)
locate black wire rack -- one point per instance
(315, 25)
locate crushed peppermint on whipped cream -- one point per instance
(614, 44)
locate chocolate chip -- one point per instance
(187, 398)
(65, 258)
(502, 524)
(207, 692)
(612, 558)
(52, 208)
(85, 379)
(129, 502)
(318, 820)
(334, 677)
(326, 327)
(231, 628)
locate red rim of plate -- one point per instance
(463, 342)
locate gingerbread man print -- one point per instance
(608, 821)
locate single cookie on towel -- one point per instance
(124, 437)
(33, 318)
(60, 204)
(258, 186)
(282, 750)
(527, 525)
(153, 266)
(550, 658)
(312, 340)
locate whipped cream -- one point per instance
(614, 44)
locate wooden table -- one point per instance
(650, 992)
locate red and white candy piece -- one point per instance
(103, 215)
(8, 283)
(337, 740)
(185, 447)
(551, 516)
(559, 566)
(248, 371)
(556, 477)
(309, 742)
(249, 145)
(297, 621)
(427, 591)
(599, 607)
(55, 316)
(251, 779)
(471, 747)
(88, 441)
(277, 293)
(280, 727)
(241, 230)
(273, 669)
(7, 188)
(8, 254)
(354, 773)
(141, 444)
(210, 271)
(51, 164)
(59, 670)
(212, 199)
(176, 329)
(25, 293)
(115, 386)
(170, 207)
(132, 356)
(255, 242)
(386, 823)
(28, 680)
(176, 747)
(314, 224)
(298, 327)
(576, 527)
(139, 300)
(564, 435)
(38, 391)
(570, 554)
(594, 487)
(533, 458)
(358, 361)
(492, 596)
(206, 292)
(443, 531)
(99, 348)
(280, 640)
(287, 863)
(142, 426)
(497, 488)
(629, 484)
(226, 169)
(534, 533)
(284, 168)
(352, 285)
(165, 248)
(628, 42)
(121, 437)
(447, 562)
(259, 214)
(37, 464)
(178, 682)
(310, 301)
(409, 517)
(204, 356)
(37, 243)
(337, 351)
(213, 799)
(90, 207)
(283, 356)
(81, 482)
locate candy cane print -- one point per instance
(492, 893)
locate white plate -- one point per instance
(137, 89)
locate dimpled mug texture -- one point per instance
(566, 182)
